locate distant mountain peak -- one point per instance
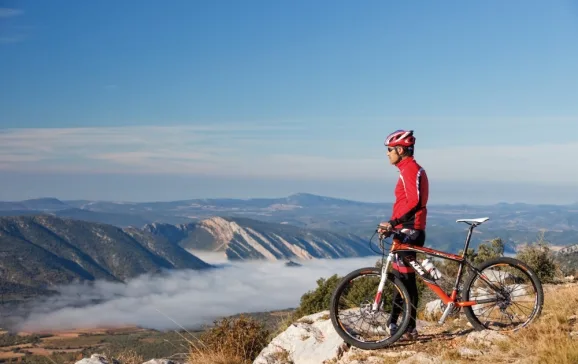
(44, 203)
(44, 200)
(303, 198)
(309, 195)
(301, 194)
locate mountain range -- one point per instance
(515, 223)
(41, 251)
(47, 241)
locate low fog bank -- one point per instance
(187, 298)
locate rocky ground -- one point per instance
(312, 340)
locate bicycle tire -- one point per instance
(514, 264)
(340, 290)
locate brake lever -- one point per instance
(383, 235)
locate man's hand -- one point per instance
(384, 227)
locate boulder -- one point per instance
(485, 338)
(310, 340)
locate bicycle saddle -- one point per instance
(474, 221)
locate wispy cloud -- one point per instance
(218, 150)
(12, 33)
(261, 151)
(543, 162)
(191, 298)
(10, 12)
(16, 38)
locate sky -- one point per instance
(142, 101)
(183, 298)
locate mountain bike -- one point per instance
(501, 294)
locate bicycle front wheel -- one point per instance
(512, 293)
(353, 317)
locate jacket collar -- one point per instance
(404, 162)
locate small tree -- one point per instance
(540, 258)
(490, 250)
(318, 299)
(486, 251)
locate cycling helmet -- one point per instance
(403, 138)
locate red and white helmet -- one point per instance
(403, 138)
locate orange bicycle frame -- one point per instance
(398, 246)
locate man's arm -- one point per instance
(412, 192)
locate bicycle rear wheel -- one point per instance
(513, 287)
(351, 309)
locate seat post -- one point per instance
(468, 238)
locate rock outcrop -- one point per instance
(311, 340)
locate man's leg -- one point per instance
(397, 301)
(404, 271)
(407, 276)
(411, 284)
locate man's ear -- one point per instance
(400, 151)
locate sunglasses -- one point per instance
(389, 149)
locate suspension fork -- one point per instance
(384, 270)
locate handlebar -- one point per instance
(387, 234)
(382, 236)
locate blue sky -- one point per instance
(145, 101)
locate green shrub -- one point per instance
(318, 299)
(490, 250)
(540, 258)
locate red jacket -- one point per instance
(411, 195)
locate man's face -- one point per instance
(393, 153)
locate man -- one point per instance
(409, 215)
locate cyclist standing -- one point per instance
(409, 215)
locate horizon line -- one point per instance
(279, 197)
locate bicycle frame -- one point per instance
(452, 300)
